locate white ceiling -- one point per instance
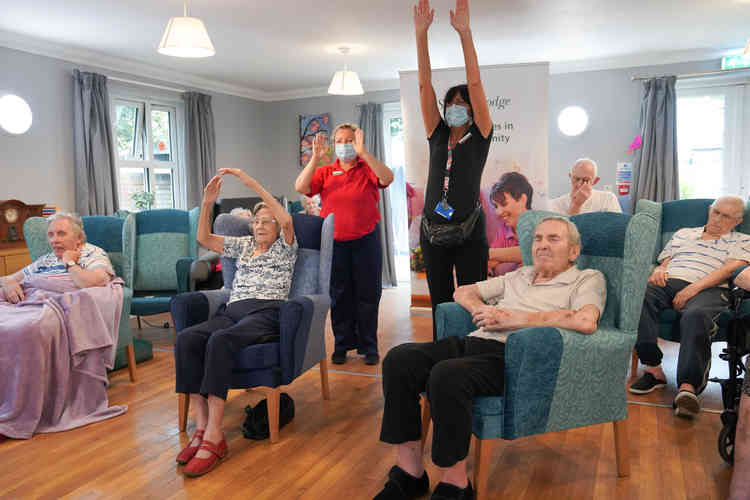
(282, 48)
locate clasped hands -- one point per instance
(495, 319)
(211, 192)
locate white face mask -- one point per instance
(346, 152)
(456, 115)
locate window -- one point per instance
(148, 155)
(711, 124)
(393, 133)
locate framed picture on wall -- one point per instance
(309, 126)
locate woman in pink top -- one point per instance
(510, 197)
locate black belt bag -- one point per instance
(450, 234)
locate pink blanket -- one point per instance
(55, 348)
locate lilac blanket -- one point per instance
(55, 348)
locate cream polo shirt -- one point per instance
(599, 201)
(516, 291)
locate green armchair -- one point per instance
(546, 388)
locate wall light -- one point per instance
(572, 121)
(15, 114)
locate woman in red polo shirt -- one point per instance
(349, 188)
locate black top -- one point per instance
(466, 172)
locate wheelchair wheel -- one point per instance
(726, 444)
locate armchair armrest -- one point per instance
(453, 320)
(124, 332)
(302, 343)
(191, 308)
(183, 267)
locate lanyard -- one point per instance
(449, 165)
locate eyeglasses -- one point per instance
(585, 180)
(263, 221)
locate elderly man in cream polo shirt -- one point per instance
(692, 278)
(553, 292)
(583, 198)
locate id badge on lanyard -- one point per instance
(443, 208)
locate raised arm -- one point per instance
(304, 180)
(460, 21)
(11, 286)
(206, 238)
(279, 213)
(381, 170)
(430, 113)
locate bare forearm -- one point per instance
(720, 276)
(474, 82)
(584, 320)
(468, 297)
(85, 278)
(11, 278)
(381, 170)
(279, 212)
(423, 61)
(509, 254)
(470, 59)
(205, 237)
(304, 179)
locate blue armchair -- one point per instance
(301, 343)
(116, 236)
(546, 388)
(671, 217)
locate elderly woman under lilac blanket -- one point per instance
(59, 319)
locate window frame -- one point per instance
(144, 138)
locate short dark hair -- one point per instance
(515, 184)
(462, 89)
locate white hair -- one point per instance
(738, 203)
(582, 161)
(242, 212)
(75, 222)
(345, 125)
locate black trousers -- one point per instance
(204, 353)
(696, 329)
(469, 260)
(452, 371)
(356, 286)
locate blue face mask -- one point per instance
(456, 116)
(346, 152)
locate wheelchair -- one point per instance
(738, 345)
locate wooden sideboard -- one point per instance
(13, 257)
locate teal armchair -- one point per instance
(116, 236)
(558, 379)
(671, 217)
(165, 246)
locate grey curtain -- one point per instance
(95, 169)
(655, 165)
(371, 123)
(200, 144)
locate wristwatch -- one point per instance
(70, 264)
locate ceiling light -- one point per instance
(15, 114)
(186, 37)
(345, 82)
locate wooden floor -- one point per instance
(331, 449)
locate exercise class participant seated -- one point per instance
(453, 371)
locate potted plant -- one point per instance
(143, 200)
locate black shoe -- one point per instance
(372, 359)
(403, 486)
(338, 357)
(445, 491)
(686, 404)
(646, 384)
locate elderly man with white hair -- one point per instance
(553, 292)
(583, 198)
(692, 278)
(87, 264)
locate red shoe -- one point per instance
(189, 452)
(199, 466)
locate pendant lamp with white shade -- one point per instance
(345, 82)
(186, 37)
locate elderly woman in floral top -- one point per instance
(204, 353)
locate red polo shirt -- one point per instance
(352, 196)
